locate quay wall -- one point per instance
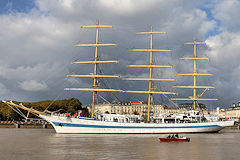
(14, 124)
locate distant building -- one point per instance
(189, 106)
(139, 108)
(173, 110)
(234, 105)
(232, 112)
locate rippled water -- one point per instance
(44, 144)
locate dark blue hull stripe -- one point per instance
(127, 127)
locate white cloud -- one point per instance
(224, 50)
(126, 7)
(186, 25)
(227, 11)
(31, 85)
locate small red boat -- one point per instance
(175, 139)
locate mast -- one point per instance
(195, 97)
(151, 65)
(95, 86)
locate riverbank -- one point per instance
(17, 125)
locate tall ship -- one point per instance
(189, 122)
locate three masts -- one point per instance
(95, 86)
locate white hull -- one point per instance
(66, 125)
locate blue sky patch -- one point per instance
(208, 10)
(9, 6)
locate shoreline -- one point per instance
(14, 125)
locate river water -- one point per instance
(44, 144)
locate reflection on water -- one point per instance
(29, 144)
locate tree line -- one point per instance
(71, 106)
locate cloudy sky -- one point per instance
(37, 39)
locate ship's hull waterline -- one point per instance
(65, 125)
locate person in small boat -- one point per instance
(176, 135)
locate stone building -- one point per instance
(183, 107)
(232, 112)
(139, 108)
